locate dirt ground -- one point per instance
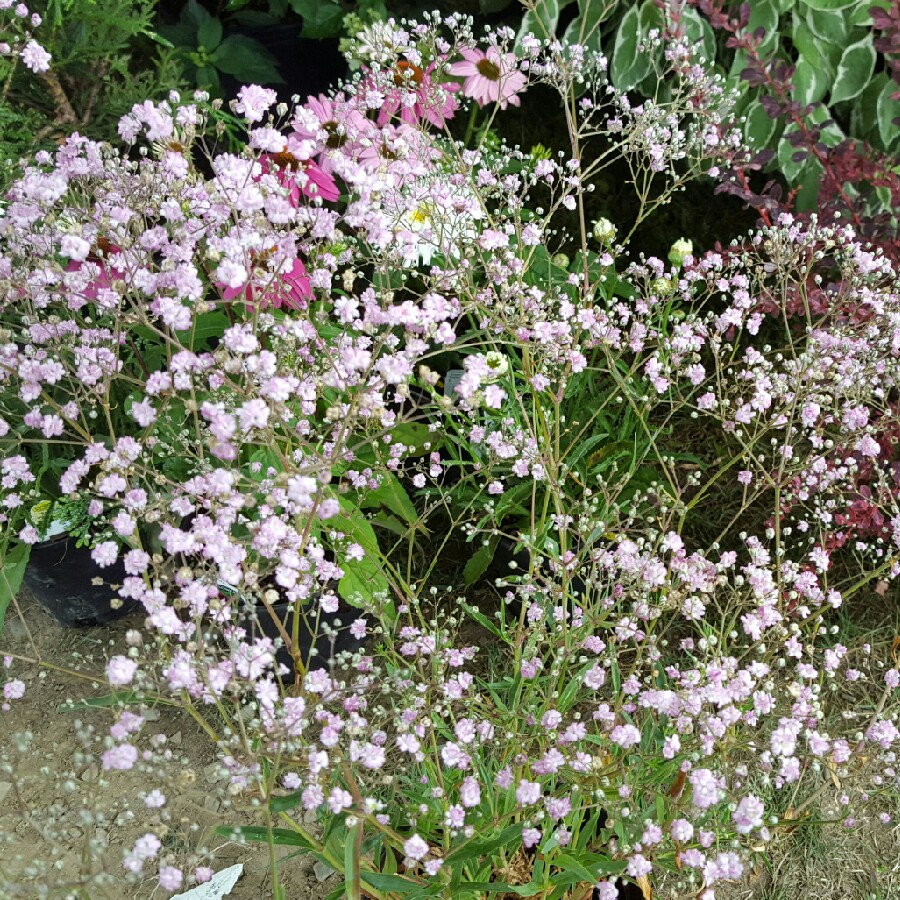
(62, 817)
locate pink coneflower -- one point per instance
(286, 165)
(289, 289)
(331, 122)
(490, 77)
(415, 97)
(98, 259)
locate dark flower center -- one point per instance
(489, 70)
(100, 250)
(286, 160)
(406, 72)
(336, 137)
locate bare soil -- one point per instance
(65, 823)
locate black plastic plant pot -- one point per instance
(328, 640)
(67, 582)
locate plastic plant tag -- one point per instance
(218, 886)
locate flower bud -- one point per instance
(679, 250)
(604, 231)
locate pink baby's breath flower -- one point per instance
(105, 554)
(170, 878)
(416, 848)
(121, 758)
(490, 77)
(253, 101)
(14, 689)
(35, 57)
(120, 670)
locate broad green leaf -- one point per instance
(817, 51)
(864, 112)
(759, 128)
(415, 435)
(763, 14)
(209, 34)
(392, 495)
(246, 60)
(532, 889)
(808, 182)
(288, 801)
(830, 5)
(888, 110)
(699, 31)
(12, 571)
(363, 578)
(630, 65)
(810, 81)
(828, 27)
(195, 14)
(206, 326)
(484, 621)
(585, 27)
(479, 561)
(854, 70)
(541, 21)
(861, 15)
(321, 18)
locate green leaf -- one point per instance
(195, 14)
(810, 80)
(888, 110)
(542, 20)
(115, 698)
(282, 837)
(415, 436)
(808, 181)
(629, 66)
(476, 848)
(209, 34)
(585, 27)
(699, 31)
(392, 495)
(828, 27)
(321, 18)
(363, 578)
(831, 5)
(207, 325)
(246, 60)
(759, 128)
(862, 16)
(854, 70)
(531, 889)
(484, 621)
(12, 571)
(288, 801)
(479, 561)
(351, 871)
(390, 882)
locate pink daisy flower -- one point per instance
(332, 123)
(318, 184)
(99, 261)
(431, 102)
(490, 77)
(290, 289)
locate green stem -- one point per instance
(470, 128)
